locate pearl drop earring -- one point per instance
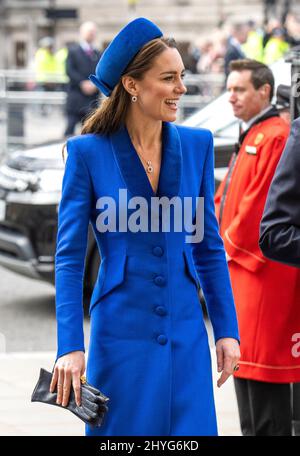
(134, 98)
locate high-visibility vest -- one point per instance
(61, 57)
(275, 49)
(45, 65)
(253, 48)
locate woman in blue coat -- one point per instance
(148, 349)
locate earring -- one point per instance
(134, 98)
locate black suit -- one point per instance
(233, 52)
(79, 65)
(280, 225)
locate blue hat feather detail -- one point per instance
(122, 49)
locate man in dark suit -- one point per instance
(234, 51)
(280, 224)
(82, 95)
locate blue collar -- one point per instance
(132, 169)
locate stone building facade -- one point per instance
(24, 22)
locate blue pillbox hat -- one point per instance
(122, 49)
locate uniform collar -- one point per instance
(132, 169)
(249, 123)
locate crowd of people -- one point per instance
(266, 43)
(68, 69)
(69, 66)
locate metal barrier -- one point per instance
(31, 114)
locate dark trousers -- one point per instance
(264, 408)
(72, 120)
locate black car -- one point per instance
(30, 190)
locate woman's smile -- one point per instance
(172, 104)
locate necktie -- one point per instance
(89, 51)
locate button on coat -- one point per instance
(162, 339)
(161, 310)
(157, 251)
(160, 281)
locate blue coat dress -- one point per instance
(148, 348)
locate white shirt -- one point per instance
(234, 42)
(86, 46)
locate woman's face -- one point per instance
(159, 91)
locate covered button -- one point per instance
(162, 339)
(159, 280)
(157, 251)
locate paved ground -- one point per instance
(19, 416)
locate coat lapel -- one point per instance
(132, 169)
(171, 166)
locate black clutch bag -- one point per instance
(93, 402)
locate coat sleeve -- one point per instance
(242, 235)
(71, 245)
(280, 224)
(210, 262)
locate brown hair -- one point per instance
(63, 151)
(260, 73)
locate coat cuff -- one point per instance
(232, 336)
(69, 349)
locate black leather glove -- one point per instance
(93, 402)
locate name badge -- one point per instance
(250, 150)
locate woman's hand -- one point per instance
(67, 371)
(228, 355)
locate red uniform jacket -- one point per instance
(267, 293)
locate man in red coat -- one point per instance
(266, 293)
